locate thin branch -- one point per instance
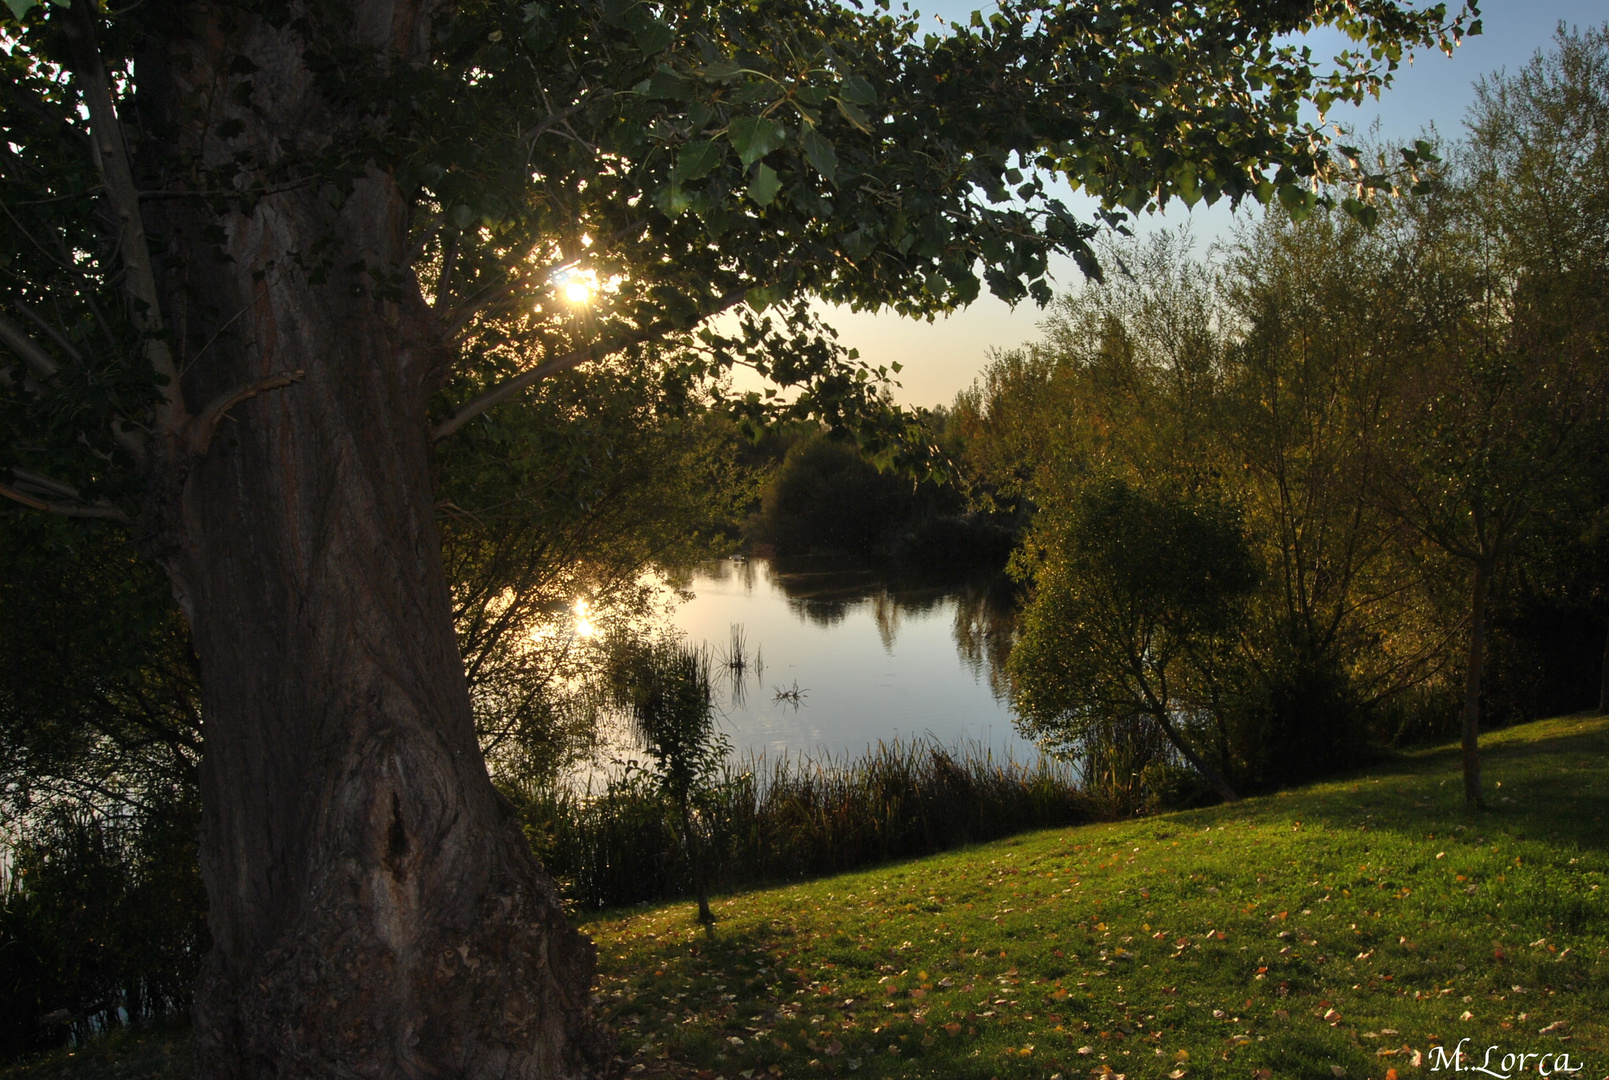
(49, 331)
(575, 358)
(449, 260)
(205, 426)
(100, 510)
(45, 485)
(32, 353)
(531, 134)
(492, 295)
(112, 161)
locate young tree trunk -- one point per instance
(1472, 684)
(1603, 679)
(695, 854)
(1199, 763)
(375, 910)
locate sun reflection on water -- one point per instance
(584, 626)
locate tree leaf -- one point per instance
(852, 113)
(653, 37)
(857, 90)
(765, 185)
(669, 86)
(673, 199)
(818, 148)
(19, 8)
(753, 137)
(698, 159)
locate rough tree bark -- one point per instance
(375, 910)
(1475, 661)
(1603, 680)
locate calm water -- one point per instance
(871, 660)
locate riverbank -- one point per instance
(1354, 925)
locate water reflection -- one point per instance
(985, 628)
(839, 657)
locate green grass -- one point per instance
(1349, 925)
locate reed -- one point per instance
(771, 820)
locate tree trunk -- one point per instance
(1472, 685)
(1603, 679)
(375, 910)
(695, 855)
(1197, 762)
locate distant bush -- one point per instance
(1298, 718)
(792, 819)
(103, 924)
(825, 498)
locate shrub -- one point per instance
(791, 818)
(103, 924)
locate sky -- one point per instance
(943, 357)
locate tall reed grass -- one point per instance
(616, 843)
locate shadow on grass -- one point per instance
(1542, 780)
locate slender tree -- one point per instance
(258, 256)
(1498, 415)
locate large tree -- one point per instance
(258, 257)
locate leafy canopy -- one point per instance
(678, 159)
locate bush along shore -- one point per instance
(793, 818)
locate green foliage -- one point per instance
(605, 473)
(825, 497)
(691, 157)
(1409, 417)
(791, 819)
(99, 704)
(664, 687)
(1137, 597)
(103, 924)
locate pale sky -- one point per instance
(943, 357)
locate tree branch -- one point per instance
(44, 485)
(458, 317)
(575, 358)
(18, 341)
(76, 510)
(205, 426)
(112, 162)
(531, 134)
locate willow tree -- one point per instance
(259, 256)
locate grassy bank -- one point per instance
(1352, 925)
